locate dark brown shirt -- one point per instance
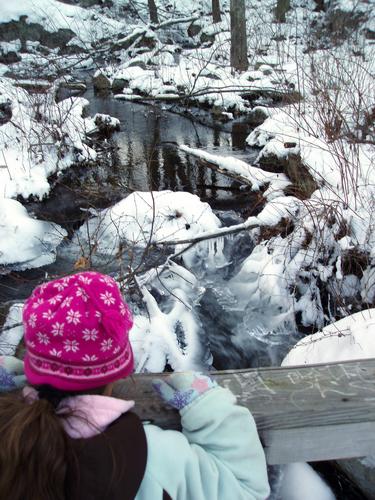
(109, 466)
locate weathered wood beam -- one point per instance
(308, 413)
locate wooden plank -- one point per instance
(306, 413)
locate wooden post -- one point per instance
(216, 14)
(238, 46)
(153, 12)
(318, 412)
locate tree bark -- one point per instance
(320, 7)
(238, 49)
(216, 14)
(153, 12)
(282, 8)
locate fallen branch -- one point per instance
(251, 223)
(171, 22)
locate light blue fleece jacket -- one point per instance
(217, 456)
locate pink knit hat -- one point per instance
(76, 333)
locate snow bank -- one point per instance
(88, 25)
(346, 339)
(42, 138)
(26, 243)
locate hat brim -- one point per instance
(66, 382)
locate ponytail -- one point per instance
(33, 448)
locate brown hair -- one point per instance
(33, 449)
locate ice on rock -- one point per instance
(25, 242)
(171, 333)
(260, 286)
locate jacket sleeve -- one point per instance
(217, 456)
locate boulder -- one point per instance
(101, 81)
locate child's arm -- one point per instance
(218, 455)
(11, 373)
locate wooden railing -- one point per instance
(308, 413)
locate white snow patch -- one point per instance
(25, 242)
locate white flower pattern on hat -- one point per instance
(37, 303)
(71, 345)
(90, 334)
(67, 302)
(123, 309)
(54, 300)
(87, 357)
(85, 280)
(55, 352)
(107, 298)
(107, 280)
(106, 345)
(73, 317)
(81, 293)
(32, 320)
(58, 329)
(48, 314)
(43, 338)
(60, 285)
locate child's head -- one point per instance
(76, 333)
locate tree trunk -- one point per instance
(282, 8)
(216, 15)
(238, 49)
(153, 12)
(320, 7)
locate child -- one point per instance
(65, 437)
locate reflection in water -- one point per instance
(148, 155)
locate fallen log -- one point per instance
(303, 413)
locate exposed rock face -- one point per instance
(118, 84)
(26, 31)
(9, 57)
(101, 82)
(5, 111)
(194, 29)
(303, 184)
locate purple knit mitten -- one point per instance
(11, 373)
(180, 389)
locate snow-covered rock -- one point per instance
(349, 338)
(145, 218)
(25, 242)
